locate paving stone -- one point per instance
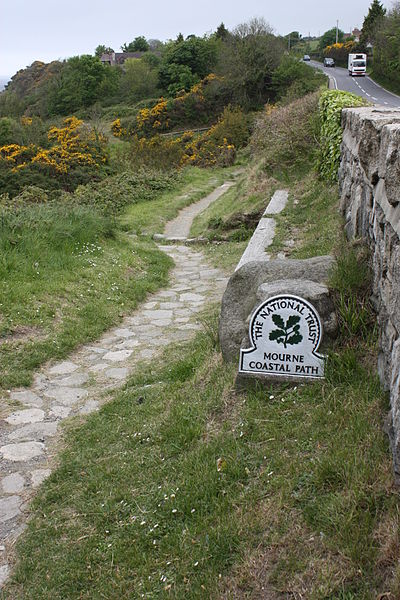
(127, 344)
(60, 412)
(34, 431)
(124, 333)
(13, 483)
(169, 305)
(66, 395)
(27, 397)
(117, 373)
(30, 415)
(38, 476)
(76, 379)
(99, 367)
(9, 508)
(89, 407)
(190, 297)
(63, 368)
(118, 355)
(158, 314)
(23, 451)
(4, 573)
(162, 322)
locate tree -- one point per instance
(155, 44)
(386, 58)
(247, 60)
(198, 56)
(222, 33)
(102, 49)
(372, 22)
(293, 38)
(139, 80)
(329, 37)
(81, 82)
(139, 44)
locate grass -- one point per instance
(68, 274)
(230, 221)
(181, 487)
(310, 222)
(386, 82)
(195, 183)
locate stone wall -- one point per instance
(369, 178)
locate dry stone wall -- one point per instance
(369, 178)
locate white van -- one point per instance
(357, 64)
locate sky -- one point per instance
(56, 29)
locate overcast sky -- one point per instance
(54, 29)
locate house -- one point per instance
(118, 58)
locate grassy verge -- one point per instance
(182, 488)
(388, 84)
(68, 273)
(195, 183)
(310, 224)
(64, 282)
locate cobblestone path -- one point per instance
(76, 386)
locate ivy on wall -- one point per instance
(331, 104)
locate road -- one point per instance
(362, 86)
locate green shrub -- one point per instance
(330, 109)
(287, 136)
(114, 193)
(294, 79)
(233, 126)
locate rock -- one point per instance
(76, 379)
(60, 412)
(118, 374)
(23, 451)
(13, 483)
(4, 573)
(9, 508)
(27, 397)
(240, 297)
(38, 476)
(190, 297)
(30, 415)
(63, 368)
(118, 355)
(34, 431)
(66, 395)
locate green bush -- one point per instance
(233, 126)
(114, 193)
(330, 109)
(294, 79)
(286, 136)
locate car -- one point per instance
(306, 57)
(329, 62)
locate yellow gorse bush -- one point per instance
(74, 145)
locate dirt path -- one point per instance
(28, 436)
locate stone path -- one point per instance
(76, 386)
(179, 228)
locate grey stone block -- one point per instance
(240, 297)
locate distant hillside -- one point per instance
(29, 87)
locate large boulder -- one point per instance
(250, 284)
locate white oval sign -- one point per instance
(285, 332)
